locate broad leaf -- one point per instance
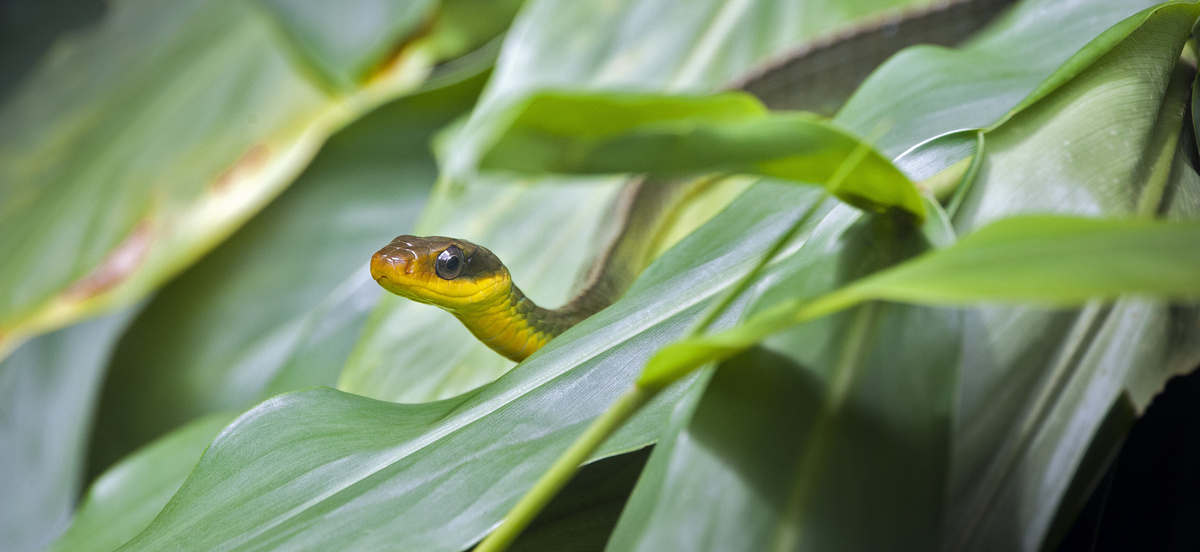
(557, 44)
(136, 147)
(279, 305)
(319, 467)
(927, 91)
(1009, 354)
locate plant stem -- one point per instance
(563, 469)
(740, 288)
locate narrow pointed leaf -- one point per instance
(671, 136)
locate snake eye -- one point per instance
(449, 263)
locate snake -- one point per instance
(471, 282)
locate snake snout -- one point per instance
(391, 260)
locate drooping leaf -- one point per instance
(679, 135)
(1087, 148)
(1011, 369)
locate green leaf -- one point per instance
(671, 136)
(127, 497)
(280, 305)
(394, 473)
(138, 146)
(1046, 260)
(48, 387)
(582, 517)
(1049, 260)
(795, 442)
(557, 44)
(343, 42)
(624, 46)
(927, 91)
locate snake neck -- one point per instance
(515, 326)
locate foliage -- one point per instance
(824, 356)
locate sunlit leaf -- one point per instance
(678, 135)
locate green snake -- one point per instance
(471, 283)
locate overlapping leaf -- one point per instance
(558, 44)
(278, 306)
(1013, 503)
(315, 468)
(672, 136)
(136, 147)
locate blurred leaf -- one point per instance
(280, 304)
(926, 91)
(677, 135)
(29, 27)
(135, 148)
(344, 41)
(127, 497)
(48, 387)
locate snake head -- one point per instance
(450, 273)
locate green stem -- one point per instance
(738, 289)
(835, 181)
(563, 469)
